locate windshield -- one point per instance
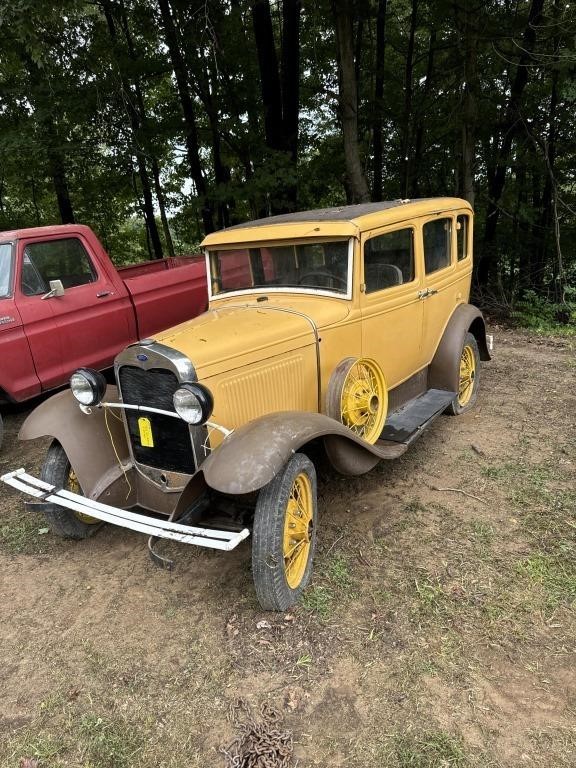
(5, 270)
(307, 266)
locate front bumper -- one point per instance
(163, 529)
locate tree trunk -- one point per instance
(468, 51)
(188, 112)
(378, 101)
(162, 206)
(414, 188)
(505, 135)
(135, 119)
(356, 184)
(291, 87)
(408, 90)
(269, 74)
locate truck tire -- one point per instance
(1, 430)
(469, 380)
(284, 535)
(57, 471)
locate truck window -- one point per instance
(437, 244)
(5, 270)
(389, 260)
(64, 260)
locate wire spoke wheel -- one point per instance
(357, 396)
(284, 535)
(467, 375)
(468, 372)
(298, 530)
(67, 523)
(73, 486)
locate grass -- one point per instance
(435, 749)
(87, 739)
(24, 534)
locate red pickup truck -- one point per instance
(63, 304)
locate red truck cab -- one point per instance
(45, 335)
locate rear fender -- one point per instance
(249, 458)
(87, 440)
(444, 370)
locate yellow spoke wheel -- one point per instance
(74, 487)
(284, 535)
(357, 396)
(297, 530)
(468, 373)
(57, 471)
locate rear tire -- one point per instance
(469, 377)
(284, 535)
(57, 471)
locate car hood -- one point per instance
(230, 337)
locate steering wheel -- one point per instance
(315, 273)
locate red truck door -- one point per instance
(90, 323)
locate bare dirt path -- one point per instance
(439, 630)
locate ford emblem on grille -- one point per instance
(142, 358)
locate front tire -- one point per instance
(57, 471)
(284, 535)
(468, 379)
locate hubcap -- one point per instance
(298, 525)
(363, 401)
(467, 375)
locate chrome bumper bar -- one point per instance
(164, 529)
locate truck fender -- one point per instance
(444, 370)
(250, 457)
(90, 441)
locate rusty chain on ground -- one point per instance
(261, 743)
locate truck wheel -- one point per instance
(1, 431)
(469, 377)
(357, 397)
(57, 471)
(284, 535)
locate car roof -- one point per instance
(343, 221)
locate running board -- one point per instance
(408, 422)
(164, 529)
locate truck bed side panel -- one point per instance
(167, 298)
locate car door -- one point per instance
(90, 322)
(446, 241)
(390, 302)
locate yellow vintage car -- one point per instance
(347, 327)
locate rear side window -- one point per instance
(389, 260)
(64, 260)
(437, 244)
(462, 237)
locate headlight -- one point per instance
(193, 403)
(88, 386)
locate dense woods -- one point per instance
(156, 121)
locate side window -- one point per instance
(437, 244)
(462, 237)
(389, 260)
(64, 260)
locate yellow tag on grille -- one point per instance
(145, 428)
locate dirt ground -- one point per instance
(439, 630)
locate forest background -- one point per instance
(156, 121)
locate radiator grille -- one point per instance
(172, 449)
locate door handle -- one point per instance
(102, 294)
(428, 292)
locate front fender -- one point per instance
(252, 456)
(88, 442)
